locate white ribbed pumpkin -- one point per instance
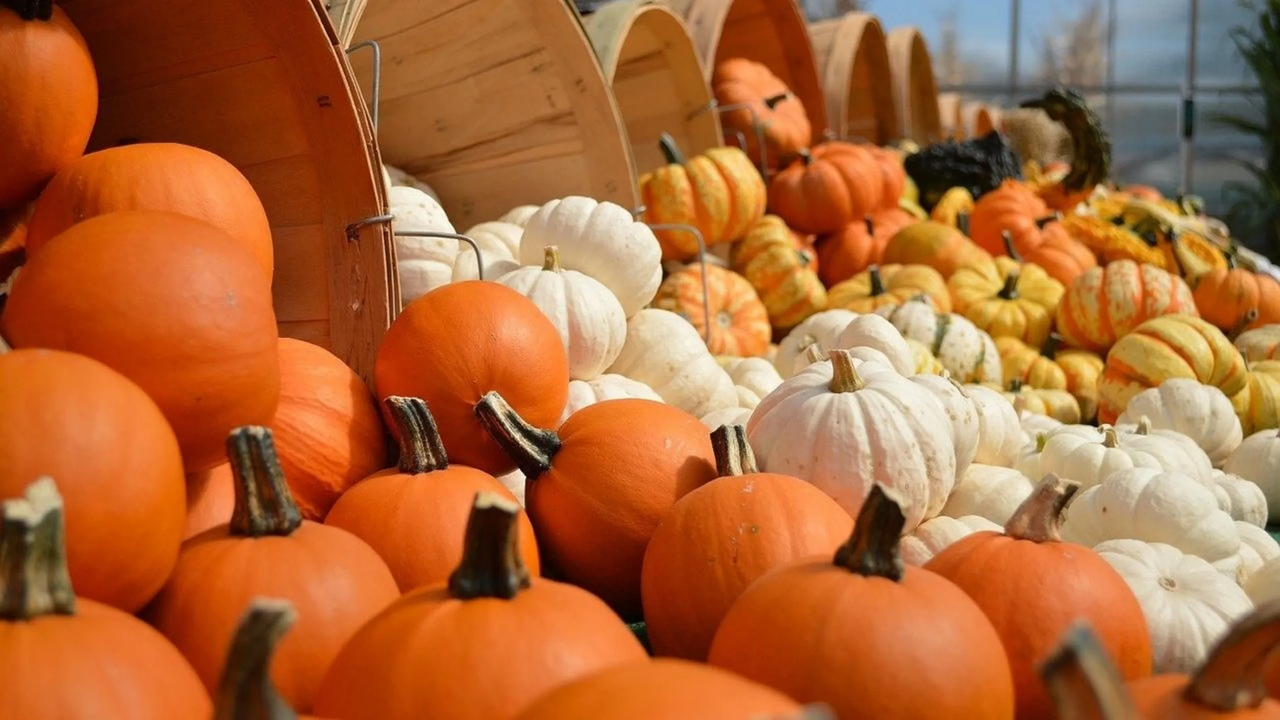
(583, 393)
(753, 378)
(499, 244)
(666, 353)
(1242, 499)
(966, 351)
(822, 329)
(1257, 548)
(962, 415)
(1258, 460)
(933, 536)
(988, 491)
(1201, 412)
(1087, 456)
(1000, 436)
(873, 331)
(422, 263)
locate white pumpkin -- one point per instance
(822, 328)
(753, 378)
(873, 331)
(1201, 412)
(966, 351)
(395, 177)
(1157, 506)
(666, 353)
(845, 430)
(1000, 436)
(1257, 459)
(961, 413)
(933, 536)
(519, 215)
(988, 491)
(499, 246)
(588, 317)
(423, 263)
(727, 416)
(1263, 586)
(1257, 548)
(1034, 423)
(1089, 457)
(1174, 450)
(1240, 498)
(583, 393)
(599, 239)
(1188, 604)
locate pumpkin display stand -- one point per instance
(772, 32)
(656, 76)
(493, 103)
(915, 89)
(854, 63)
(260, 84)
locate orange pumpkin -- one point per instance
(246, 689)
(211, 498)
(780, 114)
(890, 285)
(66, 656)
(114, 456)
(50, 94)
(484, 645)
(13, 240)
(830, 186)
(721, 537)
(1107, 303)
(849, 251)
(781, 269)
(597, 488)
(1230, 684)
(506, 345)
(719, 192)
(868, 636)
(939, 246)
(335, 580)
(1082, 682)
(327, 428)
(1034, 234)
(154, 176)
(414, 515)
(171, 303)
(1052, 584)
(739, 320)
(889, 220)
(666, 689)
(1225, 295)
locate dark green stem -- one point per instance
(1051, 346)
(491, 565)
(962, 223)
(670, 150)
(877, 282)
(1010, 289)
(30, 10)
(1009, 249)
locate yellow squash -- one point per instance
(781, 272)
(881, 285)
(1007, 298)
(1258, 404)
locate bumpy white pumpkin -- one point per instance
(933, 536)
(1156, 506)
(1034, 423)
(1000, 436)
(588, 317)
(961, 413)
(845, 429)
(1188, 604)
(1089, 457)
(1258, 460)
(727, 416)
(753, 378)
(967, 352)
(519, 215)
(1201, 412)
(583, 393)
(499, 246)
(1240, 498)
(395, 177)
(666, 353)
(1263, 586)
(599, 239)
(1257, 548)
(988, 491)
(1174, 450)
(873, 331)
(423, 263)
(822, 328)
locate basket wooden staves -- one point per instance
(854, 63)
(915, 88)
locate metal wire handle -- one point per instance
(715, 105)
(702, 267)
(376, 93)
(741, 137)
(447, 236)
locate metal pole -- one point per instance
(1111, 65)
(1188, 122)
(1015, 15)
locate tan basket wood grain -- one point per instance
(261, 84)
(915, 88)
(977, 119)
(854, 63)
(949, 116)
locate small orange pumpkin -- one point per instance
(830, 186)
(1107, 303)
(849, 251)
(780, 114)
(1224, 296)
(890, 285)
(1034, 234)
(941, 247)
(739, 320)
(13, 240)
(211, 498)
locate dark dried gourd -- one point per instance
(977, 165)
(1092, 162)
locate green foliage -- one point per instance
(1254, 215)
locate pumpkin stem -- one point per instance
(1020, 405)
(670, 149)
(1010, 289)
(772, 101)
(1009, 249)
(1042, 222)
(813, 353)
(32, 9)
(872, 549)
(1233, 677)
(421, 449)
(962, 223)
(946, 375)
(1144, 426)
(1247, 319)
(551, 258)
(1083, 682)
(1015, 385)
(1039, 517)
(264, 505)
(877, 282)
(530, 447)
(33, 555)
(246, 690)
(806, 157)
(1109, 437)
(871, 225)
(1042, 439)
(733, 453)
(844, 377)
(491, 565)
(1051, 345)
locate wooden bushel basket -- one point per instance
(854, 62)
(915, 89)
(493, 103)
(259, 83)
(977, 119)
(949, 113)
(656, 76)
(772, 32)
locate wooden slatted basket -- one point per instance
(656, 76)
(949, 116)
(260, 84)
(977, 119)
(915, 88)
(494, 103)
(854, 63)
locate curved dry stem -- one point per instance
(531, 448)
(1009, 291)
(421, 449)
(877, 282)
(844, 376)
(872, 549)
(551, 258)
(491, 565)
(264, 504)
(1083, 682)
(814, 354)
(1109, 437)
(33, 555)
(246, 690)
(1234, 675)
(733, 453)
(1039, 517)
